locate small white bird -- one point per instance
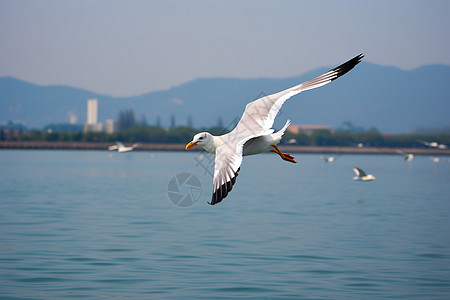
(409, 157)
(434, 145)
(435, 159)
(406, 156)
(121, 147)
(254, 134)
(362, 176)
(330, 159)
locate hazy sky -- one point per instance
(124, 48)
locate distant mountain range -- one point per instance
(386, 98)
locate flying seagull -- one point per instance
(406, 156)
(409, 157)
(121, 147)
(434, 145)
(362, 176)
(253, 134)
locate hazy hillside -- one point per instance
(390, 99)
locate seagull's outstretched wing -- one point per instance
(359, 172)
(226, 167)
(120, 144)
(257, 120)
(260, 114)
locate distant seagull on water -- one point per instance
(330, 159)
(409, 157)
(362, 176)
(406, 156)
(254, 134)
(435, 159)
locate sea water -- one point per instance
(101, 225)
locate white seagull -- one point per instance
(406, 156)
(330, 159)
(435, 159)
(434, 145)
(409, 157)
(362, 176)
(253, 134)
(121, 147)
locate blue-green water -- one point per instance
(96, 225)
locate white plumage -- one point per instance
(362, 176)
(254, 134)
(121, 147)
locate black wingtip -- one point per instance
(222, 191)
(347, 66)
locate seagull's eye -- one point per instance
(200, 138)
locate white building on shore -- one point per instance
(92, 117)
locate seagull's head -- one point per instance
(202, 139)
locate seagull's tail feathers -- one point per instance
(277, 135)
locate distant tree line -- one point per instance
(130, 130)
(371, 138)
(182, 134)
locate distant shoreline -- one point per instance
(181, 147)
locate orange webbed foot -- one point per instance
(288, 157)
(284, 156)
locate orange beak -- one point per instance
(190, 145)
